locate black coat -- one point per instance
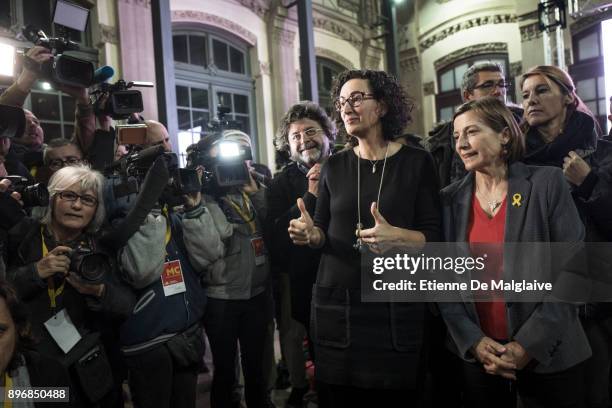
(300, 262)
(593, 197)
(90, 316)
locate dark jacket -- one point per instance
(593, 197)
(156, 318)
(300, 262)
(441, 145)
(87, 313)
(550, 332)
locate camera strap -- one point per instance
(245, 211)
(53, 293)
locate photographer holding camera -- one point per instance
(69, 282)
(239, 300)
(165, 254)
(28, 147)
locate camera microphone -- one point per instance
(103, 74)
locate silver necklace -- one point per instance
(492, 204)
(373, 163)
(359, 244)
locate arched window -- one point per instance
(588, 71)
(212, 70)
(327, 70)
(449, 82)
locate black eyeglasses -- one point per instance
(311, 132)
(488, 86)
(86, 199)
(59, 163)
(355, 99)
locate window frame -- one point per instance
(216, 80)
(453, 97)
(590, 68)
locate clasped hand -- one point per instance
(502, 360)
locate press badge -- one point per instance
(172, 278)
(63, 331)
(260, 250)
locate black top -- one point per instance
(300, 262)
(409, 199)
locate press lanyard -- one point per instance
(8, 384)
(33, 171)
(168, 229)
(244, 212)
(53, 294)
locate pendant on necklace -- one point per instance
(374, 168)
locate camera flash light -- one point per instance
(7, 59)
(229, 149)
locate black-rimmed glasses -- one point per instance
(86, 199)
(57, 164)
(355, 99)
(488, 86)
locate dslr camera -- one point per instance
(90, 265)
(32, 195)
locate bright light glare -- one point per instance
(7, 59)
(45, 86)
(397, 2)
(229, 149)
(606, 34)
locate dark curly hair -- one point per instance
(299, 111)
(385, 88)
(18, 312)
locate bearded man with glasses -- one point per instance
(304, 136)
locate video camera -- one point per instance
(62, 69)
(121, 101)
(228, 167)
(134, 167)
(32, 195)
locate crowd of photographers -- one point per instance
(126, 262)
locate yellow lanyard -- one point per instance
(168, 229)
(245, 211)
(53, 294)
(33, 171)
(8, 384)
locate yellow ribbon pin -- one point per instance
(516, 200)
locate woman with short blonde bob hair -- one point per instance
(504, 349)
(87, 179)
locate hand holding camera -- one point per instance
(56, 261)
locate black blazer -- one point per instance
(550, 332)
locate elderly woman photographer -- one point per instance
(378, 193)
(534, 348)
(68, 281)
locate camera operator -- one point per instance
(239, 301)
(69, 283)
(32, 140)
(305, 134)
(163, 261)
